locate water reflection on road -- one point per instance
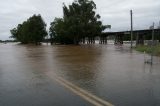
(113, 73)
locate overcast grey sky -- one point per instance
(113, 12)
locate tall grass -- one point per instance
(149, 49)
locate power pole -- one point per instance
(47, 37)
(131, 28)
(152, 43)
(153, 33)
(159, 30)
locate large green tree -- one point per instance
(79, 21)
(31, 31)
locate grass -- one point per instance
(149, 49)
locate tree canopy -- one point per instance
(79, 21)
(31, 31)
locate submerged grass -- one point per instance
(149, 49)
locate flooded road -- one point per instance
(115, 74)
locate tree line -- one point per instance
(78, 22)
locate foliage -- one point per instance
(31, 31)
(79, 20)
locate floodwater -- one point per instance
(113, 73)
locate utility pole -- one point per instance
(159, 30)
(47, 37)
(153, 33)
(131, 28)
(152, 43)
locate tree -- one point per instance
(79, 21)
(31, 31)
(57, 32)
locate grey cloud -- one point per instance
(114, 12)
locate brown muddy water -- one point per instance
(113, 73)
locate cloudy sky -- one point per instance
(113, 12)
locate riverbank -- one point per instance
(149, 49)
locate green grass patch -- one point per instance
(149, 49)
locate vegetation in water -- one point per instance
(31, 31)
(149, 49)
(79, 21)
